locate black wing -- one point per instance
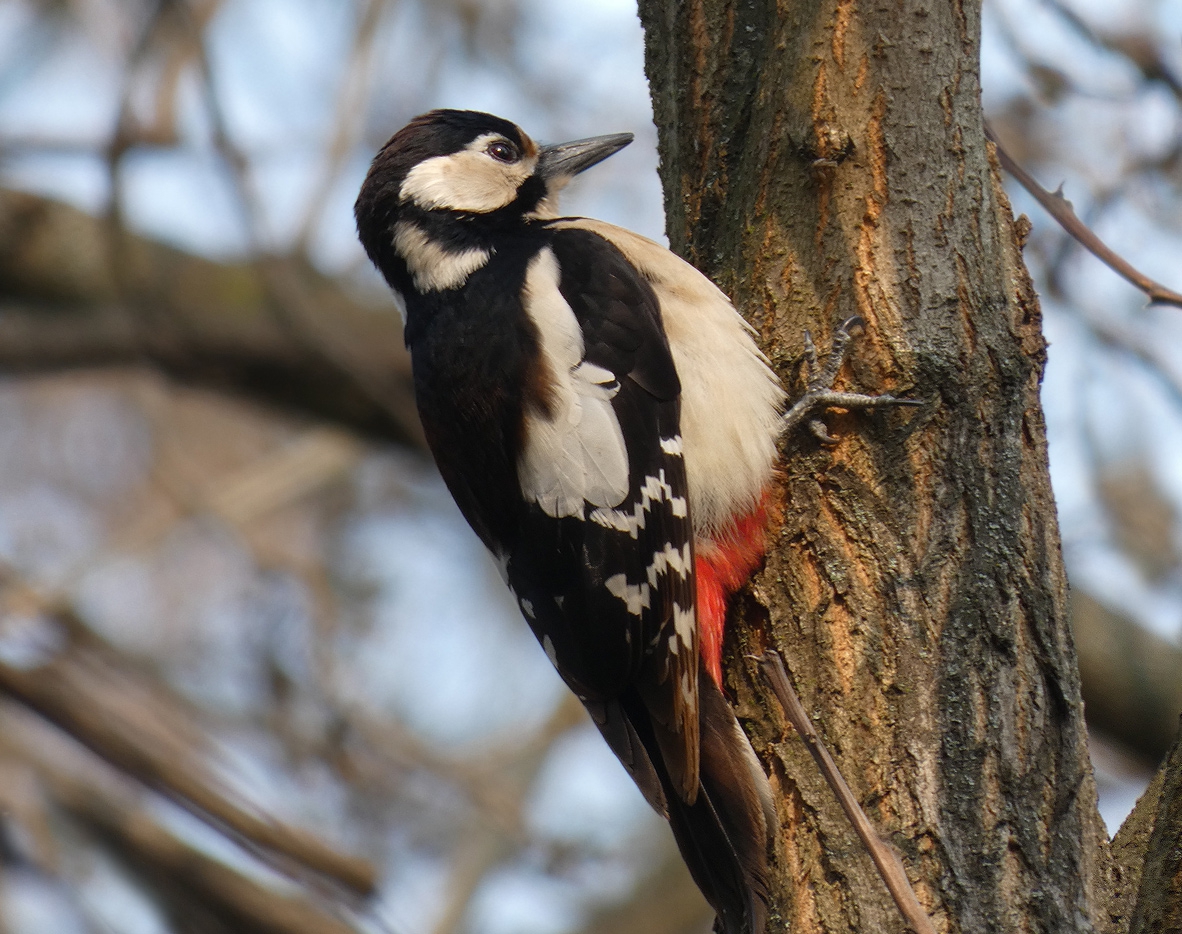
(610, 594)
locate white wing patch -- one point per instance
(636, 597)
(576, 456)
(431, 266)
(730, 400)
(653, 490)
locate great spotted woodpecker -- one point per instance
(608, 427)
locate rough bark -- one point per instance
(1147, 864)
(827, 159)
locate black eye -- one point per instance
(502, 151)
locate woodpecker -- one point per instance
(608, 427)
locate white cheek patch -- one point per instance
(576, 455)
(469, 180)
(431, 266)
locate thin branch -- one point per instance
(71, 681)
(890, 867)
(1137, 48)
(187, 880)
(350, 109)
(1061, 210)
(183, 877)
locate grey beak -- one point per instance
(564, 160)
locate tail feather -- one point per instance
(619, 729)
(723, 834)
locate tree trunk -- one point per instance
(825, 160)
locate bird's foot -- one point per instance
(819, 393)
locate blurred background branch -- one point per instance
(233, 583)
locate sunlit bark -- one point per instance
(825, 160)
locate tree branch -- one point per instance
(886, 860)
(188, 882)
(1148, 882)
(62, 672)
(1061, 210)
(1132, 679)
(326, 355)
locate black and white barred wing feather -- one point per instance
(608, 532)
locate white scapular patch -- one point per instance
(672, 445)
(636, 597)
(432, 266)
(731, 401)
(469, 180)
(574, 456)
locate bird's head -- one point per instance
(453, 178)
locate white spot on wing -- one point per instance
(548, 648)
(577, 456)
(635, 596)
(672, 445)
(653, 490)
(432, 266)
(670, 559)
(684, 622)
(527, 608)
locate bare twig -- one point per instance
(187, 880)
(70, 680)
(890, 867)
(1138, 48)
(183, 878)
(1061, 210)
(350, 110)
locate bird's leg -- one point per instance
(819, 393)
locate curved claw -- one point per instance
(819, 429)
(819, 392)
(856, 321)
